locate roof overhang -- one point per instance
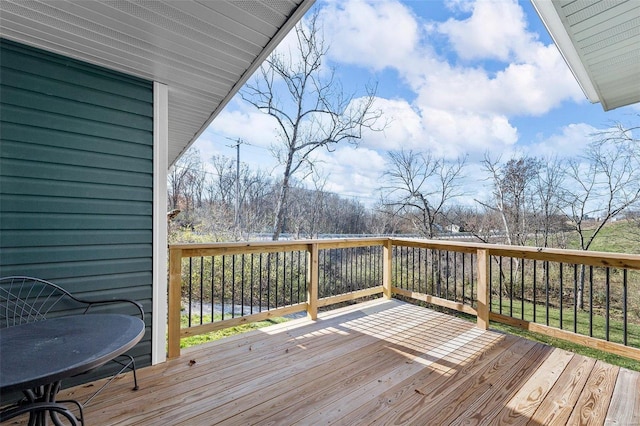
(204, 50)
(600, 41)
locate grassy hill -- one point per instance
(615, 237)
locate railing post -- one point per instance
(387, 257)
(483, 289)
(175, 294)
(312, 282)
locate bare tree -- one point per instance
(511, 183)
(421, 185)
(479, 221)
(310, 110)
(309, 213)
(186, 183)
(546, 203)
(601, 185)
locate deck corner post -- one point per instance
(387, 257)
(312, 282)
(483, 289)
(175, 293)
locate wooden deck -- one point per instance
(382, 362)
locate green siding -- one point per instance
(76, 177)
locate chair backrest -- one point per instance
(26, 299)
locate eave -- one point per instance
(600, 41)
(204, 51)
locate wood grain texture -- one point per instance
(625, 408)
(380, 362)
(594, 401)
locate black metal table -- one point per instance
(35, 357)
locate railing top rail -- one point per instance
(208, 249)
(591, 258)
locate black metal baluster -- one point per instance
(575, 298)
(242, 282)
(448, 269)
(455, 277)
(224, 279)
(471, 282)
(463, 277)
(535, 291)
(608, 301)
(344, 256)
(561, 290)
(201, 289)
(284, 278)
(275, 272)
(252, 278)
(490, 284)
(511, 286)
(190, 288)
(591, 301)
(324, 264)
(439, 275)
(403, 263)
(304, 276)
(522, 291)
(413, 270)
(500, 283)
(260, 272)
(624, 307)
(298, 281)
(233, 286)
(546, 266)
(213, 288)
(269, 262)
(433, 268)
(420, 270)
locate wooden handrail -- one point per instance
(483, 252)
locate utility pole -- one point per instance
(236, 220)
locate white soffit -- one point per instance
(600, 41)
(204, 50)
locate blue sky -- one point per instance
(455, 77)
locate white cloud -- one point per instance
(458, 107)
(352, 171)
(495, 30)
(374, 34)
(248, 124)
(404, 126)
(570, 142)
(454, 134)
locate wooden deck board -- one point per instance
(623, 410)
(380, 362)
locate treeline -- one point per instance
(213, 202)
(524, 200)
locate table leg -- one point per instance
(41, 404)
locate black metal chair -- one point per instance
(27, 299)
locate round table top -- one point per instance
(47, 351)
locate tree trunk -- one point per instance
(282, 201)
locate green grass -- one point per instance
(615, 331)
(219, 334)
(582, 322)
(615, 237)
(607, 357)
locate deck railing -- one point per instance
(584, 297)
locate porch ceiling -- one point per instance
(203, 50)
(600, 41)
